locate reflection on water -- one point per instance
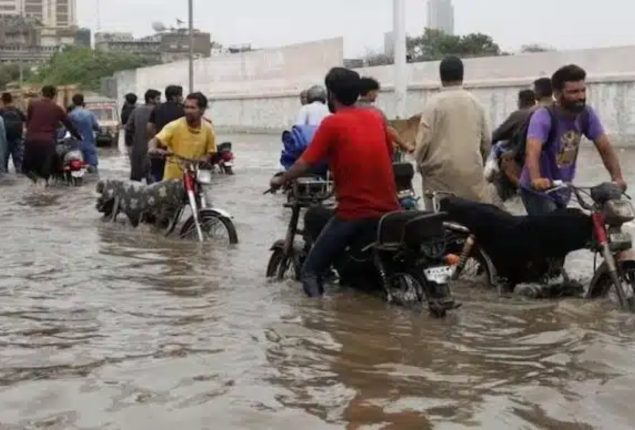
(108, 327)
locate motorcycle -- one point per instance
(402, 254)
(224, 158)
(165, 202)
(71, 166)
(532, 249)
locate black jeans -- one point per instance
(330, 244)
(537, 204)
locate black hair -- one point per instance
(570, 73)
(151, 95)
(200, 98)
(7, 98)
(49, 91)
(173, 91)
(526, 97)
(366, 85)
(451, 69)
(78, 100)
(543, 88)
(131, 98)
(343, 84)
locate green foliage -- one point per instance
(11, 72)
(85, 67)
(434, 45)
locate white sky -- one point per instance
(559, 23)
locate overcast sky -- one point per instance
(263, 23)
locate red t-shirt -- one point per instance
(356, 144)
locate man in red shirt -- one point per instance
(356, 144)
(43, 119)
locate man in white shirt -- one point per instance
(316, 110)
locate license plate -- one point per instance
(77, 173)
(228, 164)
(440, 275)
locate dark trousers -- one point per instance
(40, 159)
(16, 152)
(538, 204)
(330, 244)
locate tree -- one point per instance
(85, 67)
(435, 44)
(11, 72)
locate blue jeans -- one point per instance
(16, 152)
(333, 240)
(89, 152)
(539, 204)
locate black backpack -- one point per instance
(518, 142)
(13, 123)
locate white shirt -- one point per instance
(312, 114)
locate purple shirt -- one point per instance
(559, 156)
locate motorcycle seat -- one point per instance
(409, 228)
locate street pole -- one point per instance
(191, 57)
(401, 72)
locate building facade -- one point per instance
(441, 16)
(50, 13)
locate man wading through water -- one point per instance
(43, 119)
(137, 137)
(164, 114)
(355, 142)
(553, 141)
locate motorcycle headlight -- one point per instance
(204, 177)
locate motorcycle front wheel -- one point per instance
(279, 262)
(215, 227)
(602, 285)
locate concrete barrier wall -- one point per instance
(258, 91)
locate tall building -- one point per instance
(51, 13)
(10, 7)
(441, 16)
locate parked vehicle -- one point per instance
(513, 249)
(105, 109)
(402, 254)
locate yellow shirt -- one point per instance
(186, 142)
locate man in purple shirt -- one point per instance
(553, 140)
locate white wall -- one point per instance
(258, 91)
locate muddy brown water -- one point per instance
(108, 327)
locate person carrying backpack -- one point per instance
(14, 121)
(510, 139)
(553, 139)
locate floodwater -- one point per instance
(108, 327)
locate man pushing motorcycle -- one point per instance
(356, 145)
(553, 141)
(190, 137)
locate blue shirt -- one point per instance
(85, 123)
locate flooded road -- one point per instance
(109, 327)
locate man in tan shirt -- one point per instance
(454, 139)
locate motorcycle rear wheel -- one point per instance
(407, 284)
(210, 223)
(228, 170)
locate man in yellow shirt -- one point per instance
(189, 137)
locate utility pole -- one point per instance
(191, 56)
(401, 72)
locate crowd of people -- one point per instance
(535, 146)
(152, 130)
